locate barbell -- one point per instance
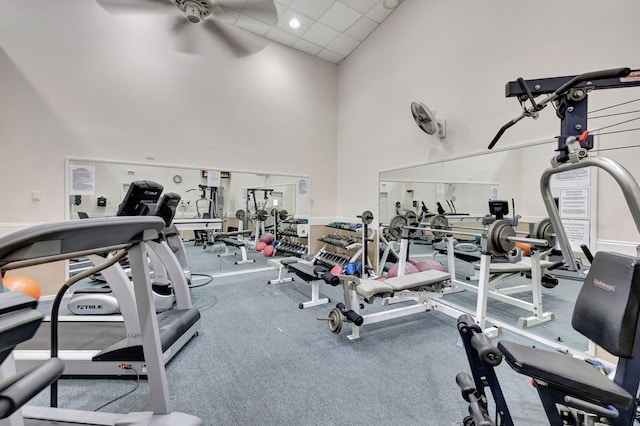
(260, 215)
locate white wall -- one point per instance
(77, 81)
(456, 56)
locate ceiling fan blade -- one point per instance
(262, 10)
(187, 39)
(227, 35)
(136, 6)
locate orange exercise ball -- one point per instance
(25, 284)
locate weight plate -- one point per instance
(440, 222)
(335, 321)
(273, 212)
(283, 214)
(396, 225)
(367, 217)
(544, 230)
(240, 214)
(262, 215)
(498, 238)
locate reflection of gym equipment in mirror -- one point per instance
(207, 206)
(500, 259)
(606, 310)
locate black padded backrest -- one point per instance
(608, 305)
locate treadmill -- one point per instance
(98, 345)
(58, 242)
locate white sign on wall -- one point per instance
(574, 203)
(82, 180)
(213, 178)
(577, 232)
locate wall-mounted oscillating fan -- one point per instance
(214, 17)
(426, 119)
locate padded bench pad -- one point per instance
(523, 265)
(304, 270)
(369, 288)
(566, 373)
(232, 242)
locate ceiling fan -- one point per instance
(213, 17)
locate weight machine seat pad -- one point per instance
(232, 242)
(276, 263)
(417, 279)
(565, 373)
(523, 265)
(369, 288)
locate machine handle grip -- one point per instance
(329, 278)
(609, 411)
(556, 265)
(502, 130)
(466, 385)
(594, 75)
(477, 411)
(357, 319)
(488, 353)
(466, 320)
(587, 252)
(27, 384)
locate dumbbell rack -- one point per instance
(347, 243)
(290, 240)
(285, 245)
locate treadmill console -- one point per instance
(141, 198)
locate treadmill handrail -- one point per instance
(64, 240)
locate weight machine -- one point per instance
(607, 311)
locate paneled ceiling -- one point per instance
(329, 29)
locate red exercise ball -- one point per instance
(26, 285)
(427, 265)
(267, 238)
(269, 250)
(260, 246)
(408, 269)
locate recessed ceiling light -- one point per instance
(294, 23)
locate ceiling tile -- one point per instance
(362, 6)
(343, 44)
(257, 10)
(305, 46)
(330, 56)
(276, 34)
(362, 28)
(312, 8)
(253, 25)
(339, 17)
(287, 15)
(320, 34)
(379, 13)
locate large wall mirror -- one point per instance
(591, 204)
(212, 201)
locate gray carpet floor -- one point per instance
(259, 360)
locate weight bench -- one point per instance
(421, 288)
(310, 273)
(232, 242)
(491, 276)
(281, 265)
